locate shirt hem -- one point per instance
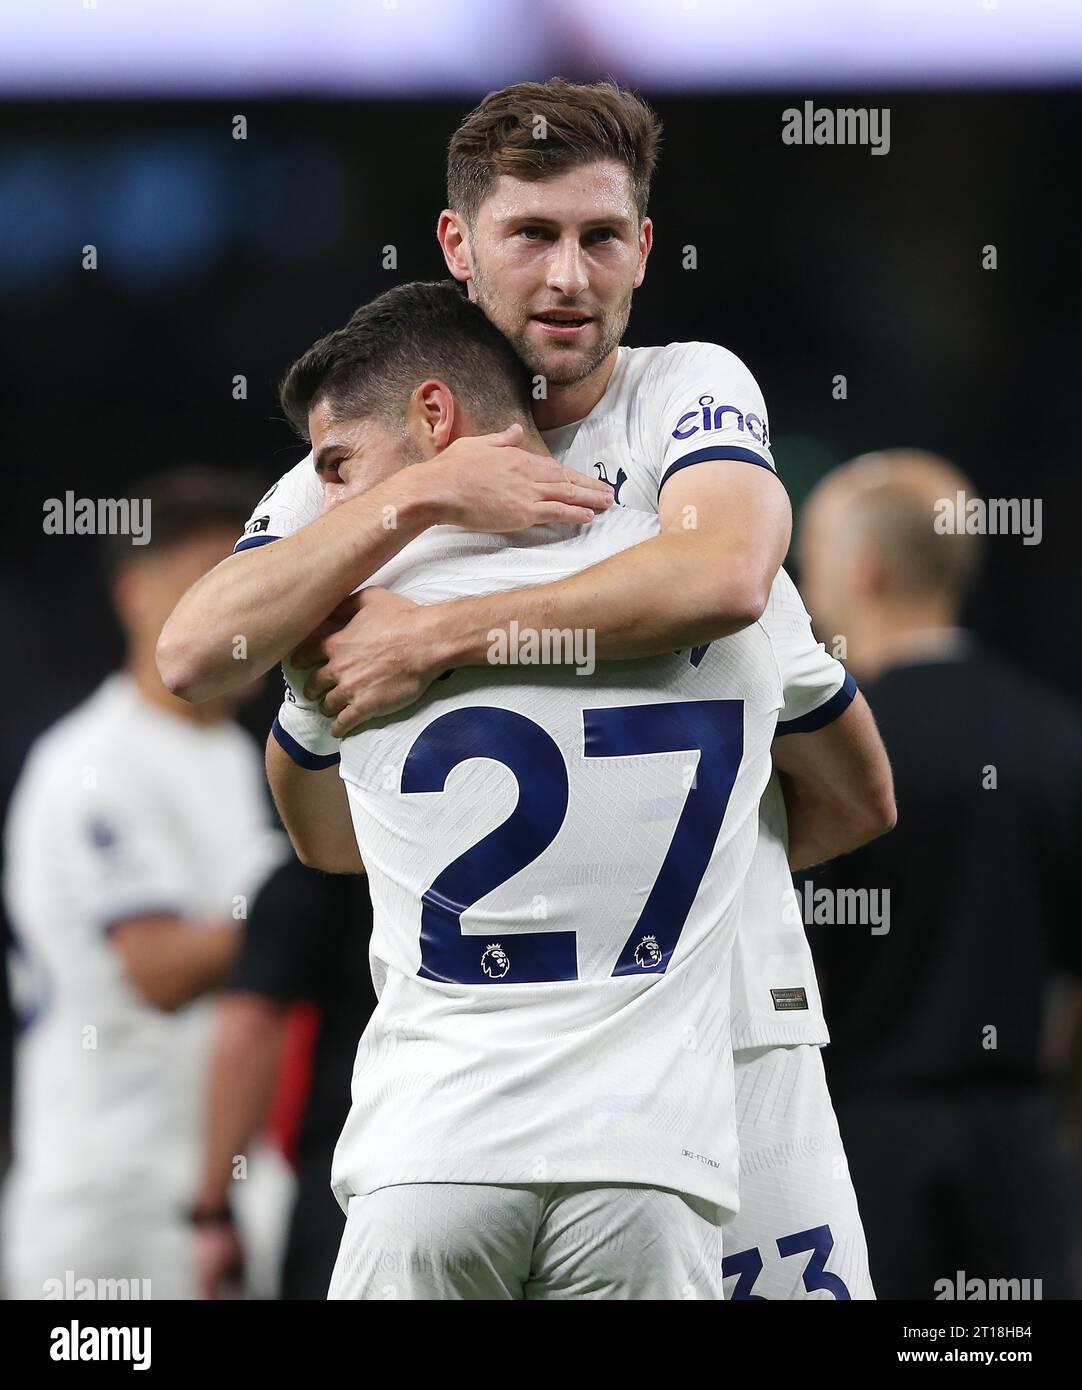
(773, 1036)
(722, 1194)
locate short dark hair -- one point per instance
(408, 334)
(534, 130)
(184, 502)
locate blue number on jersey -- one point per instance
(716, 728)
(820, 1242)
(747, 1265)
(541, 773)
(713, 727)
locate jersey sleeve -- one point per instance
(302, 729)
(294, 500)
(126, 861)
(704, 405)
(816, 687)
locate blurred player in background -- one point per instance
(936, 1066)
(137, 832)
(305, 943)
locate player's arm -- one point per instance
(273, 596)
(171, 961)
(725, 528)
(244, 1071)
(290, 935)
(312, 802)
(725, 531)
(839, 792)
(243, 1074)
(132, 876)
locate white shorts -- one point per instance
(798, 1233)
(94, 1248)
(543, 1241)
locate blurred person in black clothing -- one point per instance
(938, 1015)
(306, 941)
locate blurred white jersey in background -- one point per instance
(122, 811)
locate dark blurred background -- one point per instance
(220, 258)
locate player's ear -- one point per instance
(868, 574)
(646, 241)
(432, 416)
(453, 237)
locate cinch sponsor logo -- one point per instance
(712, 417)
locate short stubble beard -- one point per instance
(562, 371)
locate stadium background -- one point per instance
(220, 258)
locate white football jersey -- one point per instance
(122, 810)
(555, 863)
(665, 408)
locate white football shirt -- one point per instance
(555, 864)
(122, 810)
(664, 409)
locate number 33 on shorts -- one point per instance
(747, 1265)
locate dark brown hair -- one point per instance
(533, 130)
(389, 347)
(182, 503)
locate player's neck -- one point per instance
(891, 636)
(565, 404)
(140, 666)
(532, 441)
